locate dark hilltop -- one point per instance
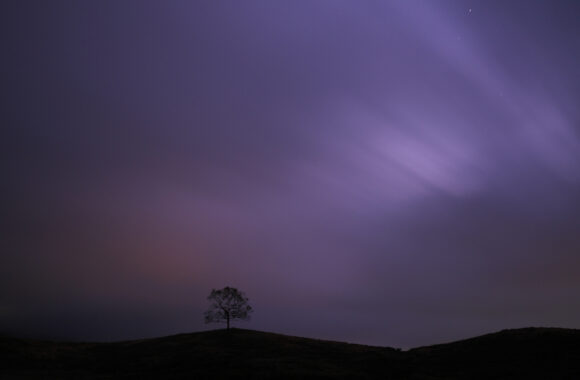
(529, 353)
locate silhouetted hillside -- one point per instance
(523, 353)
(537, 353)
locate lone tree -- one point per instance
(227, 303)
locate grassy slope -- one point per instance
(532, 353)
(522, 353)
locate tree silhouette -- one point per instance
(227, 303)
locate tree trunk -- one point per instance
(228, 320)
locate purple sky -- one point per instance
(395, 173)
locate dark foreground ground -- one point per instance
(532, 353)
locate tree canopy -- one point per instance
(227, 304)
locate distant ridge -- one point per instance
(528, 353)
